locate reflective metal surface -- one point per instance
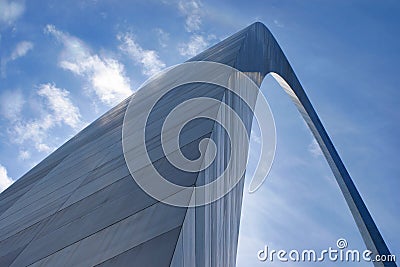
(81, 207)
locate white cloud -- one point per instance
(21, 49)
(105, 75)
(11, 104)
(163, 37)
(24, 154)
(57, 111)
(278, 23)
(148, 59)
(10, 11)
(60, 105)
(193, 12)
(5, 180)
(196, 44)
(314, 148)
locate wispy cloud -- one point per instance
(58, 110)
(278, 23)
(192, 10)
(5, 180)
(24, 155)
(196, 44)
(20, 50)
(162, 36)
(11, 104)
(314, 148)
(60, 105)
(105, 75)
(268, 218)
(148, 59)
(10, 11)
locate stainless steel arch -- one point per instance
(86, 183)
(270, 59)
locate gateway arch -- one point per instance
(81, 206)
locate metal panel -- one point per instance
(145, 255)
(108, 242)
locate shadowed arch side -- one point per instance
(270, 59)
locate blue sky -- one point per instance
(63, 64)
